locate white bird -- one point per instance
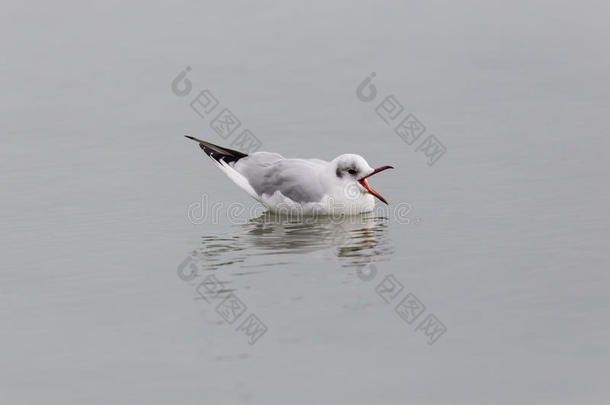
(304, 185)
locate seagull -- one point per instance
(307, 186)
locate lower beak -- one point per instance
(364, 184)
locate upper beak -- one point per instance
(364, 184)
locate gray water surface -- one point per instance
(121, 242)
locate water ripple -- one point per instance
(270, 240)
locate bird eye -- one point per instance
(352, 171)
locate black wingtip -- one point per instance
(201, 145)
(218, 152)
(194, 139)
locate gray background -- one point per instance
(510, 249)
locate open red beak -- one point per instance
(364, 184)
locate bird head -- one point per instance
(354, 169)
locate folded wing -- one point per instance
(269, 173)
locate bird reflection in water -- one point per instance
(270, 240)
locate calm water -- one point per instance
(134, 271)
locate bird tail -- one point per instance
(225, 160)
(218, 153)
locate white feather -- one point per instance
(306, 186)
